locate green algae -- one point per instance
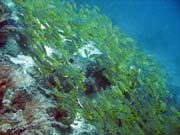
(133, 103)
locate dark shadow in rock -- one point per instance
(56, 77)
(63, 116)
(7, 25)
(20, 99)
(95, 78)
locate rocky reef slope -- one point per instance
(68, 70)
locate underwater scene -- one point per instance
(89, 67)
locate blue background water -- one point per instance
(154, 24)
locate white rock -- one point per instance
(26, 61)
(48, 50)
(5, 127)
(89, 50)
(21, 76)
(80, 127)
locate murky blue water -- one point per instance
(154, 24)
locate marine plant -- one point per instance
(134, 100)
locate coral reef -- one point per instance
(83, 76)
(7, 24)
(5, 82)
(24, 110)
(108, 82)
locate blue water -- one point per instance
(154, 24)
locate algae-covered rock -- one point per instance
(7, 24)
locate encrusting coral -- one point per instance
(7, 24)
(5, 81)
(23, 110)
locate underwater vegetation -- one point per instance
(119, 89)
